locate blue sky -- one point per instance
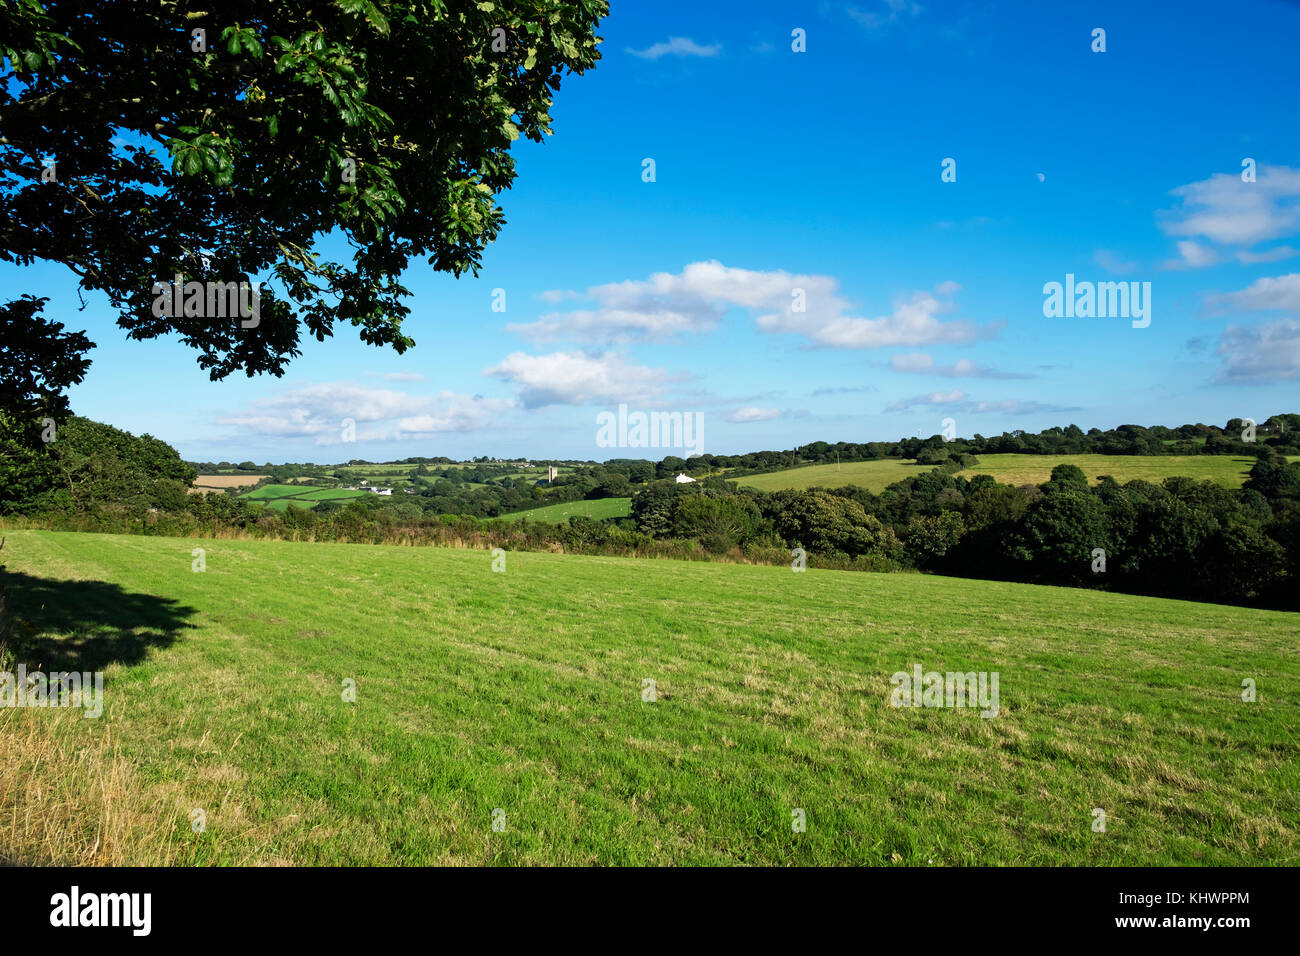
(821, 170)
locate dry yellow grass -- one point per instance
(227, 481)
(82, 807)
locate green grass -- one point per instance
(597, 508)
(279, 497)
(873, 475)
(330, 494)
(876, 475)
(523, 691)
(1225, 470)
(267, 492)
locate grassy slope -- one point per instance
(597, 508)
(522, 690)
(1227, 471)
(279, 497)
(872, 475)
(1012, 469)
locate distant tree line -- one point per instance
(1179, 538)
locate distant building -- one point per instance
(683, 479)
(552, 473)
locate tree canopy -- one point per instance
(142, 140)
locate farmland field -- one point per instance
(877, 474)
(873, 475)
(1225, 470)
(226, 481)
(279, 497)
(523, 691)
(597, 508)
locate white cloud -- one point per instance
(1266, 352)
(665, 305)
(694, 300)
(576, 378)
(845, 390)
(1262, 353)
(1111, 262)
(919, 363)
(319, 411)
(913, 321)
(750, 414)
(1193, 255)
(1268, 255)
(956, 401)
(558, 295)
(1229, 212)
(1014, 406)
(403, 377)
(933, 398)
(1281, 293)
(615, 326)
(676, 46)
(884, 13)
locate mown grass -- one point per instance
(597, 508)
(877, 474)
(522, 691)
(874, 475)
(279, 497)
(1224, 470)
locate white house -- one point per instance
(683, 479)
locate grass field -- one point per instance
(1035, 469)
(876, 475)
(279, 497)
(597, 508)
(523, 691)
(873, 475)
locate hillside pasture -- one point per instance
(874, 475)
(877, 474)
(1224, 470)
(598, 508)
(527, 695)
(279, 497)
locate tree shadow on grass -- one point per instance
(86, 625)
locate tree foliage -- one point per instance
(232, 154)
